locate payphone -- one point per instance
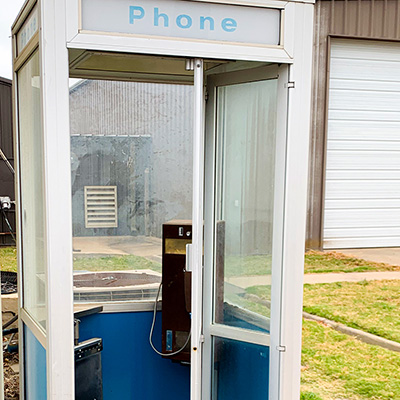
(176, 290)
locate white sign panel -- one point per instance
(184, 19)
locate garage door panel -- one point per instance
(362, 190)
(361, 175)
(360, 115)
(363, 160)
(364, 85)
(365, 70)
(355, 242)
(365, 50)
(362, 218)
(362, 182)
(332, 233)
(354, 204)
(370, 145)
(344, 99)
(364, 130)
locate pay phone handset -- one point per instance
(176, 292)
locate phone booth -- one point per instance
(162, 159)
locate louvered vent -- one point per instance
(101, 207)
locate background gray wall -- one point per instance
(6, 145)
(118, 129)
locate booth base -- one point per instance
(131, 370)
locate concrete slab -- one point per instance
(144, 246)
(387, 255)
(244, 282)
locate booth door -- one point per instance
(244, 197)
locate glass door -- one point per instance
(245, 168)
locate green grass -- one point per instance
(309, 396)
(314, 262)
(114, 263)
(336, 366)
(8, 259)
(325, 262)
(247, 265)
(370, 306)
(263, 292)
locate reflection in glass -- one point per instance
(32, 190)
(246, 128)
(131, 151)
(240, 370)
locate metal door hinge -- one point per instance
(290, 85)
(189, 64)
(201, 338)
(281, 348)
(206, 95)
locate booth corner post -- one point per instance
(40, 63)
(55, 100)
(299, 115)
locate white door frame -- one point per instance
(211, 329)
(197, 232)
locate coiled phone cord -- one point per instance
(152, 329)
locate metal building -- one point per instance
(6, 153)
(354, 170)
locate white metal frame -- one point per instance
(196, 252)
(295, 205)
(79, 39)
(210, 328)
(24, 317)
(58, 337)
(59, 31)
(55, 101)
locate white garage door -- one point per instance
(362, 186)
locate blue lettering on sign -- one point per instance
(135, 12)
(186, 18)
(183, 21)
(158, 15)
(203, 22)
(229, 25)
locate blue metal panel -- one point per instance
(35, 367)
(131, 370)
(241, 370)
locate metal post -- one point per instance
(197, 228)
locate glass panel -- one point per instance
(240, 370)
(246, 128)
(131, 148)
(32, 190)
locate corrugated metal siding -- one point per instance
(372, 19)
(162, 112)
(6, 144)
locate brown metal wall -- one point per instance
(6, 144)
(364, 19)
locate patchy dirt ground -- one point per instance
(11, 378)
